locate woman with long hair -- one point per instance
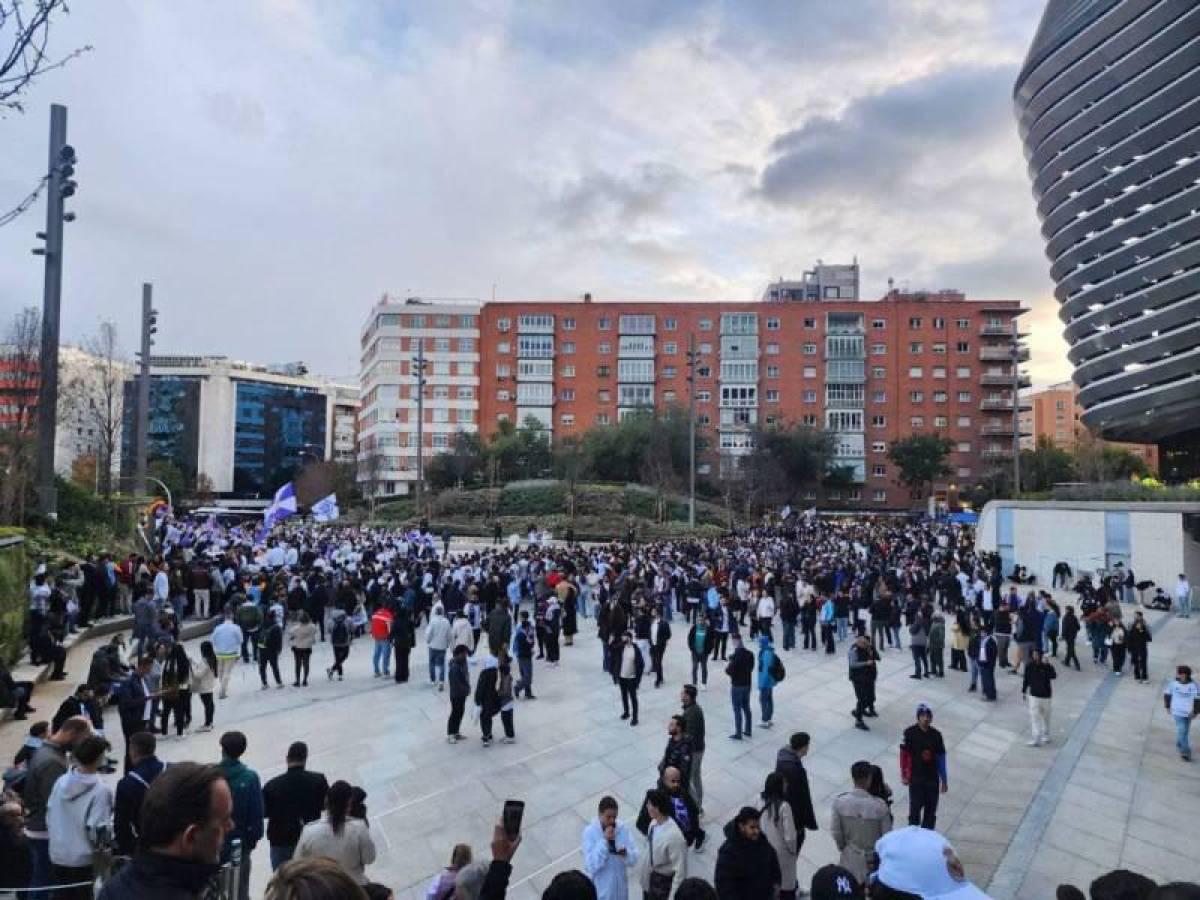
(779, 828)
(176, 690)
(302, 635)
(204, 680)
(338, 835)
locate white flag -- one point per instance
(326, 510)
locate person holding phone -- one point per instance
(609, 852)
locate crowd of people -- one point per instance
(499, 616)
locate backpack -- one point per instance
(776, 669)
(340, 633)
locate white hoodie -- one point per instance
(80, 808)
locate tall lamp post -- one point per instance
(691, 358)
(418, 365)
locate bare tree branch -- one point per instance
(28, 29)
(94, 394)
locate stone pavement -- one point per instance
(1116, 805)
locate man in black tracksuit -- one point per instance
(923, 768)
(291, 801)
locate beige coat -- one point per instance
(353, 849)
(782, 838)
(669, 852)
(858, 821)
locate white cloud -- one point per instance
(272, 166)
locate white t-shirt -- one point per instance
(1183, 697)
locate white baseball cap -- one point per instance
(922, 862)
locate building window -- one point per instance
(940, 422)
(535, 346)
(568, 324)
(939, 371)
(916, 396)
(439, 441)
(879, 471)
(879, 397)
(963, 324)
(772, 396)
(939, 397)
(939, 347)
(772, 371)
(503, 324)
(503, 370)
(566, 394)
(670, 325)
(636, 324)
(568, 346)
(704, 371)
(670, 348)
(810, 349)
(466, 393)
(567, 419)
(441, 368)
(635, 370)
(964, 396)
(604, 323)
(535, 322)
(602, 418)
(964, 421)
(878, 324)
(440, 392)
(668, 372)
(878, 421)
(810, 396)
(703, 396)
(704, 348)
(604, 348)
(466, 345)
(771, 420)
(706, 324)
(878, 372)
(914, 322)
(504, 347)
(601, 371)
(808, 419)
(917, 422)
(878, 447)
(962, 372)
(878, 349)
(465, 368)
(810, 371)
(772, 349)
(439, 415)
(964, 471)
(879, 496)
(668, 396)
(939, 323)
(441, 345)
(964, 447)
(914, 347)
(567, 371)
(963, 347)
(915, 372)
(604, 396)
(810, 323)
(772, 324)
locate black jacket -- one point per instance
(291, 801)
(709, 640)
(799, 798)
(132, 703)
(678, 754)
(664, 635)
(156, 876)
(741, 667)
(746, 870)
(73, 706)
(689, 825)
(616, 651)
(127, 806)
(1037, 679)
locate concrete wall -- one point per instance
(1045, 533)
(217, 402)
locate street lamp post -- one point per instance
(691, 357)
(419, 366)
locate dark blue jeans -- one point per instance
(789, 635)
(766, 700)
(280, 855)
(741, 709)
(525, 667)
(39, 850)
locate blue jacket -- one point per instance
(766, 654)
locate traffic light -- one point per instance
(66, 171)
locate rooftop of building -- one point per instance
(295, 372)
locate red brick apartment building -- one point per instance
(870, 372)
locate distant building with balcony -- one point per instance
(1054, 413)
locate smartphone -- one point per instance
(514, 811)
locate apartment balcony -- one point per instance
(1003, 379)
(994, 330)
(1000, 428)
(992, 453)
(1002, 404)
(1002, 354)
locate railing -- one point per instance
(994, 330)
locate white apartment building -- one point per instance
(90, 401)
(448, 333)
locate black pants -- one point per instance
(656, 662)
(863, 698)
(629, 696)
(827, 638)
(272, 660)
(506, 719)
(339, 657)
(551, 645)
(181, 705)
(700, 661)
(810, 635)
(1118, 657)
(458, 705)
(923, 803)
(1052, 640)
(719, 642)
(401, 664)
(206, 700)
(1070, 656)
(250, 640)
(301, 657)
(1139, 659)
(920, 660)
(958, 659)
(71, 875)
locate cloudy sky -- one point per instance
(274, 166)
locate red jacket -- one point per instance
(381, 624)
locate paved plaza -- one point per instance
(1110, 791)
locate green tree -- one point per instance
(1046, 465)
(785, 459)
(461, 465)
(169, 474)
(922, 460)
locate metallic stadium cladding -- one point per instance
(1108, 104)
